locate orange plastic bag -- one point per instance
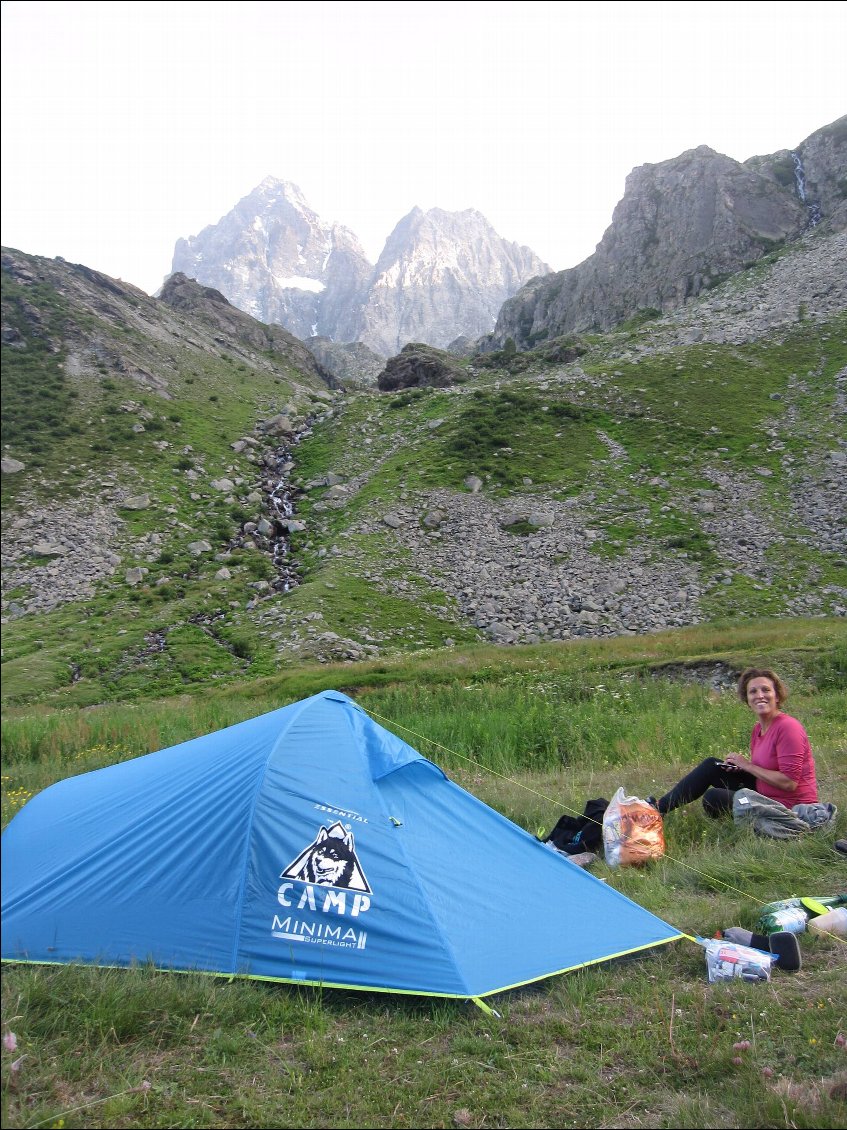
(633, 832)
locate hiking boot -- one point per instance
(785, 947)
(583, 858)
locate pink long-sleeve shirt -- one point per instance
(785, 747)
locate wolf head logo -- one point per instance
(329, 861)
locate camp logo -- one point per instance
(325, 882)
(330, 861)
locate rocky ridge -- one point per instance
(681, 227)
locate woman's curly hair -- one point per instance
(762, 673)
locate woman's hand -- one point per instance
(737, 761)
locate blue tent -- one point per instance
(308, 845)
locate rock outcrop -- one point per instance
(351, 364)
(184, 312)
(419, 366)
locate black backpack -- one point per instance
(574, 834)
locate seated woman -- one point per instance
(780, 764)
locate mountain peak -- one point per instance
(277, 260)
(273, 188)
(442, 275)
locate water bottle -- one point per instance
(788, 914)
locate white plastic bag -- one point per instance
(727, 961)
(633, 833)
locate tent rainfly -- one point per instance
(309, 845)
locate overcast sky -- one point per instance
(127, 126)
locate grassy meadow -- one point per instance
(533, 731)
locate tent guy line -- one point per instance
(562, 804)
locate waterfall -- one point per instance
(281, 503)
(271, 533)
(813, 207)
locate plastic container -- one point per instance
(833, 922)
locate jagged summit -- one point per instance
(282, 189)
(442, 275)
